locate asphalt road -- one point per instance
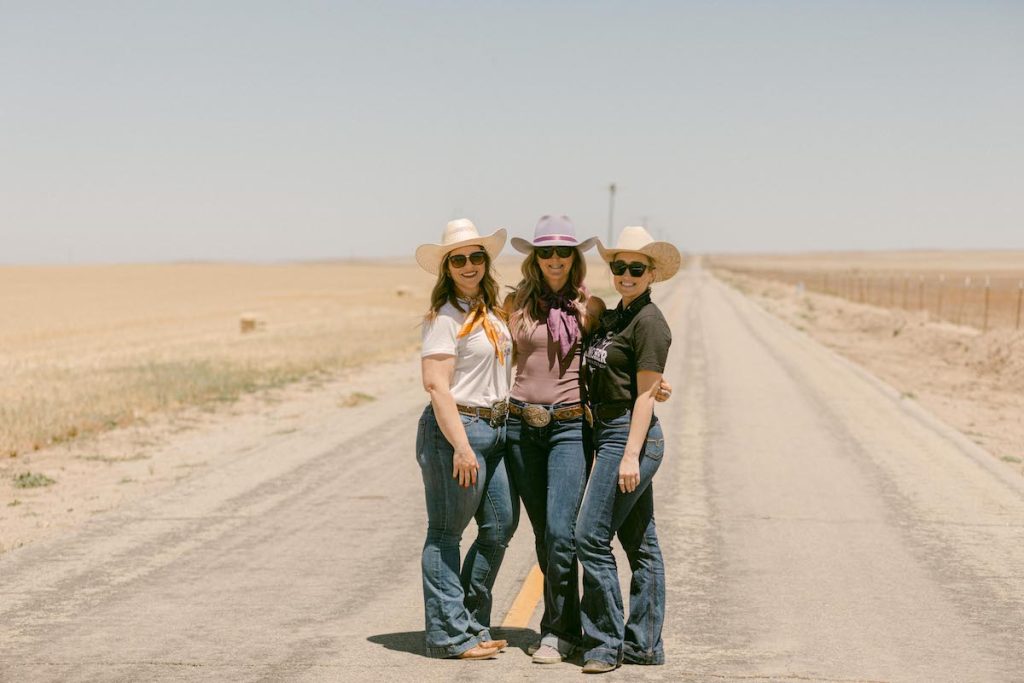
(816, 526)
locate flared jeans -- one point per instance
(606, 512)
(457, 600)
(548, 470)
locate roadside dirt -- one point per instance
(972, 381)
(93, 475)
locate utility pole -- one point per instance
(611, 213)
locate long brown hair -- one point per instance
(526, 312)
(446, 292)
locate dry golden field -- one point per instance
(83, 349)
(87, 348)
(982, 289)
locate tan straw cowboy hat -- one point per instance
(458, 233)
(664, 256)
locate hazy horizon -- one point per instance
(269, 132)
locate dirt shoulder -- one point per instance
(94, 475)
(970, 380)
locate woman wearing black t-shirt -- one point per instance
(623, 364)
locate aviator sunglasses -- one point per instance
(547, 252)
(459, 260)
(636, 269)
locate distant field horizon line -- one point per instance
(506, 254)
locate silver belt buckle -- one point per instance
(536, 416)
(499, 411)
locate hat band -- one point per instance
(547, 238)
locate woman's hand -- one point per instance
(629, 473)
(592, 317)
(465, 467)
(664, 392)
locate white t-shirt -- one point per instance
(479, 379)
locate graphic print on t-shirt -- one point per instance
(597, 351)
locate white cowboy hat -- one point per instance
(663, 255)
(553, 231)
(458, 233)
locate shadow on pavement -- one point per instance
(413, 641)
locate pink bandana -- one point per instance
(563, 319)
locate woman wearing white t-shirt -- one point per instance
(466, 364)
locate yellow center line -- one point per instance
(526, 602)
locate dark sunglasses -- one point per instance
(546, 252)
(459, 260)
(636, 269)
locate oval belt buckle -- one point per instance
(536, 416)
(499, 411)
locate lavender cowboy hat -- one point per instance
(553, 231)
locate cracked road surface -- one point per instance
(816, 526)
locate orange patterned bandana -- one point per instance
(477, 317)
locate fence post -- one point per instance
(920, 292)
(963, 299)
(988, 284)
(938, 306)
(1020, 290)
(906, 276)
(892, 291)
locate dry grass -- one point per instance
(977, 289)
(84, 349)
(88, 348)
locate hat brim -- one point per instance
(525, 247)
(430, 256)
(664, 256)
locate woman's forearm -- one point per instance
(643, 409)
(447, 416)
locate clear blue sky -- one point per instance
(155, 131)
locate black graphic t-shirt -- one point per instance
(637, 338)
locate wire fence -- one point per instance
(980, 300)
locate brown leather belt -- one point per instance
(537, 415)
(495, 414)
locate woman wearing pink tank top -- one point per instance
(550, 311)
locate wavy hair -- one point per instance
(445, 291)
(526, 311)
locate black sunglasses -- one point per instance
(459, 260)
(636, 269)
(546, 252)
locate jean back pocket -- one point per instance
(654, 448)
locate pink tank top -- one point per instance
(541, 377)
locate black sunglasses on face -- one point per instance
(636, 269)
(459, 260)
(546, 252)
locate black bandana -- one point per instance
(616, 319)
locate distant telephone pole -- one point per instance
(611, 213)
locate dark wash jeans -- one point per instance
(548, 469)
(457, 604)
(606, 511)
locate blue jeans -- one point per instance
(548, 469)
(457, 604)
(607, 511)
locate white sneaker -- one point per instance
(552, 650)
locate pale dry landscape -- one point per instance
(118, 381)
(106, 370)
(973, 379)
(101, 365)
